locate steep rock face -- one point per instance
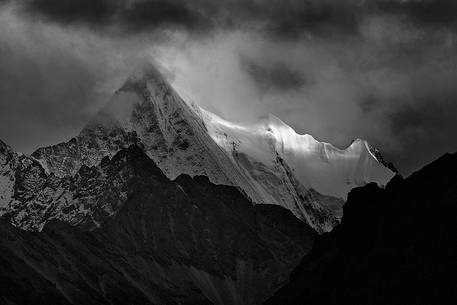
(268, 162)
(186, 241)
(394, 246)
(86, 199)
(33, 197)
(8, 161)
(21, 179)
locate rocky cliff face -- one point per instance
(394, 246)
(185, 241)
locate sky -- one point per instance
(382, 70)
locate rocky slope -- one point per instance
(268, 162)
(185, 241)
(394, 246)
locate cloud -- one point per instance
(52, 79)
(280, 18)
(383, 70)
(435, 13)
(274, 77)
(94, 12)
(130, 16)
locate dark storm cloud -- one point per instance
(278, 76)
(439, 13)
(125, 14)
(286, 19)
(282, 18)
(118, 16)
(152, 14)
(96, 12)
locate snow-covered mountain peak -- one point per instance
(289, 142)
(146, 85)
(267, 160)
(318, 165)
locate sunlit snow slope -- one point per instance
(315, 164)
(273, 155)
(267, 161)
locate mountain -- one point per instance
(185, 241)
(268, 161)
(394, 246)
(158, 201)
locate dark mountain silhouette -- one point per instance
(396, 245)
(185, 241)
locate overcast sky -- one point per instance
(383, 70)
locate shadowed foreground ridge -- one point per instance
(394, 246)
(185, 241)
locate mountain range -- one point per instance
(268, 162)
(158, 201)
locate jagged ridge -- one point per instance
(186, 241)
